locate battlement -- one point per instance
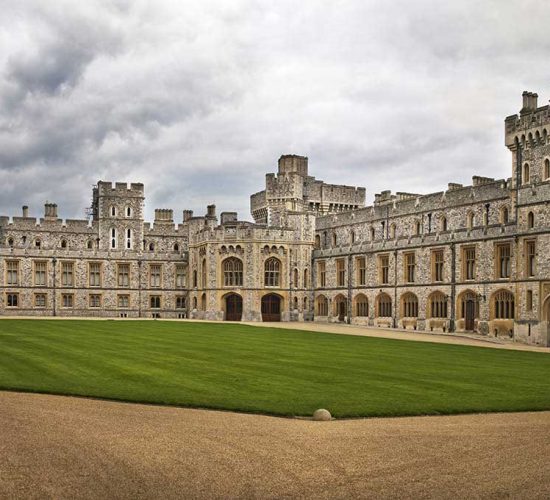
(134, 189)
(531, 127)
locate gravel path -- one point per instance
(61, 447)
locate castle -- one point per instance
(468, 259)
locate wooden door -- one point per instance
(233, 307)
(271, 308)
(469, 315)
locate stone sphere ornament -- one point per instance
(322, 415)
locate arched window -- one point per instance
(334, 239)
(128, 239)
(10, 242)
(151, 247)
(409, 305)
(503, 305)
(470, 220)
(272, 268)
(372, 234)
(361, 306)
(417, 228)
(63, 243)
(438, 305)
(37, 243)
(383, 306)
(204, 277)
(232, 272)
(325, 239)
(352, 237)
(113, 238)
(194, 302)
(504, 215)
(203, 302)
(317, 241)
(195, 280)
(322, 306)
(128, 211)
(113, 211)
(306, 278)
(295, 279)
(392, 231)
(546, 169)
(443, 224)
(530, 220)
(90, 244)
(176, 248)
(526, 174)
(485, 219)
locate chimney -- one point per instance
(164, 215)
(187, 214)
(25, 211)
(50, 211)
(529, 102)
(211, 211)
(534, 99)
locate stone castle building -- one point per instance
(470, 258)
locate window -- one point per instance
(317, 241)
(63, 243)
(372, 234)
(180, 276)
(128, 211)
(469, 263)
(361, 270)
(438, 305)
(504, 215)
(352, 237)
(383, 306)
(471, 220)
(155, 301)
(530, 220)
(417, 228)
(113, 238)
(95, 301)
(176, 248)
(180, 302)
(322, 306)
(123, 275)
(410, 305)
(203, 302)
(410, 267)
(384, 269)
(340, 272)
(204, 276)
(503, 305)
(123, 301)
(322, 272)
(37, 243)
(232, 272)
(437, 265)
(195, 279)
(94, 274)
(526, 174)
(67, 300)
(151, 247)
(547, 169)
(12, 300)
(12, 272)
(392, 231)
(306, 278)
(529, 301)
(40, 273)
(530, 258)
(40, 300)
(90, 244)
(154, 275)
(128, 239)
(272, 269)
(361, 306)
(503, 261)
(295, 279)
(334, 239)
(10, 242)
(113, 211)
(443, 224)
(67, 274)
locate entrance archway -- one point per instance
(271, 307)
(233, 307)
(340, 307)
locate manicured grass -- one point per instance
(266, 370)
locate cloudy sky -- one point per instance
(198, 99)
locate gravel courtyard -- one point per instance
(62, 447)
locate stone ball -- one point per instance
(322, 415)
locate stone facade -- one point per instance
(470, 258)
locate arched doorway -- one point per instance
(340, 307)
(233, 307)
(271, 307)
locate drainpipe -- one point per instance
(394, 319)
(350, 271)
(453, 288)
(54, 262)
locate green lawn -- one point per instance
(266, 370)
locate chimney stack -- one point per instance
(50, 211)
(211, 211)
(187, 214)
(25, 211)
(529, 102)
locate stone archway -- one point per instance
(233, 307)
(271, 307)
